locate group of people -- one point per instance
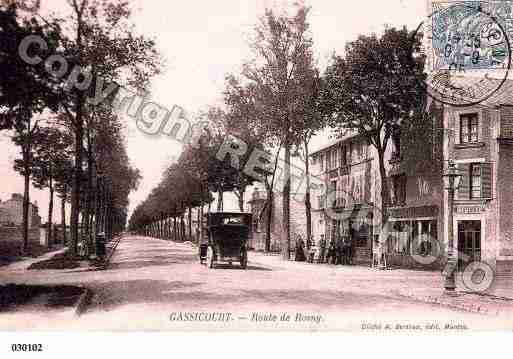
(338, 251)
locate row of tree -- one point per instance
(280, 101)
(69, 143)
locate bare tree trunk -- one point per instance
(220, 203)
(269, 213)
(200, 224)
(63, 216)
(174, 229)
(308, 203)
(286, 200)
(88, 196)
(182, 227)
(26, 202)
(50, 213)
(240, 198)
(190, 223)
(384, 200)
(75, 190)
(78, 122)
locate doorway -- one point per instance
(469, 242)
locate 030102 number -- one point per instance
(27, 347)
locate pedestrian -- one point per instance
(346, 249)
(311, 253)
(331, 257)
(322, 249)
(300, 250)
(349, 251)
(339, 249)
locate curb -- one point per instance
(83, 301)
(470, 308)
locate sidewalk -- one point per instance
(423, 286)
(23, 264)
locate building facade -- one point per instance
(478, 139)
(349, 205)
(480, 142)
(344, 203)
(11, 212)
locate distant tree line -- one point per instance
(69, 144)
(280, 101)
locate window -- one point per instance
(399, 190)
(413, 237)
(321, 201)
(469, 128)
(469, 241)
(343, 156)
(321, 162)
(332, 195)
(334, 159)
(328, 160)
(361, 231)
(475, 180)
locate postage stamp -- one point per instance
(468, 50)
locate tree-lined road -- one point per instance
(149, 279)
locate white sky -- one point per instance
(201, 42)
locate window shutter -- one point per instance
(506, 122)
(457, 130)
(486, 181)
(464, 188)
(485, 116)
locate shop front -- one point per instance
(470, 221)
(356, 227)
(414, 238)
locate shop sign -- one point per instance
(414, 212)
(469, 209)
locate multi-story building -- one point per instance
(345, 205)
(478, 138)
(11, 212)
(480, 141)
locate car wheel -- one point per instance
(244, 259)
(210, 258)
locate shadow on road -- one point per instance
(238, 267)
(193, 296)
(109, 295)
(38, 297)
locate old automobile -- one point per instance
(225, 238)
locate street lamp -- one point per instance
(452, 178)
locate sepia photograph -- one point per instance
(269, 166)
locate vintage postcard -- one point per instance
(268, 166)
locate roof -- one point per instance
(503, 96)
(502, 89)
(231, 212)
(335, 142)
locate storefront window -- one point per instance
(413, 237)
(361, 232)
